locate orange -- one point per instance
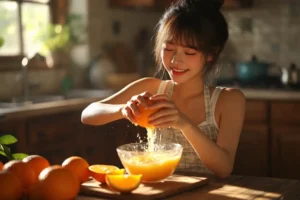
(23, 170)
(78, 166)
(1, 165)
(34, 192)
(10, 186)
(123, 183)
(56, 183)
(142, 118)
(98, 172)
(38, 163)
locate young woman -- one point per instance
(205, 120)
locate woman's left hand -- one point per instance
(168, 114)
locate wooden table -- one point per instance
(238, 188)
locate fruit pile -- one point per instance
(34, 178)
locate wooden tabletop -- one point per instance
(238, 188)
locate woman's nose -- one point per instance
(176, 59)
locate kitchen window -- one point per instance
(21, 23)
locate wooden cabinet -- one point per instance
(252, 157)
(285, 151)
(269, 140)
(53, 136)
(251, 160)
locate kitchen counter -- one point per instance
(46, 108)
(271, 94)
(75, 100)
(238, 187)
(81, 103)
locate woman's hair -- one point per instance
(195, 23)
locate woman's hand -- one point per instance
(168, 114)
(131, 107)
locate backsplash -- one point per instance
(270, 30)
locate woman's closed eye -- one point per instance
(168, 49)
(190, 53)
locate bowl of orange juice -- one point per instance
(154, 164)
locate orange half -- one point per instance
(123, 183)
(98, 172)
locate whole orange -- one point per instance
(1, 165)
(78, 166)
(142, 118)
(23, 170)
(38, 163)
(58, 183)
(35, 192)
(11, 186)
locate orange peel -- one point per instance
(99, 172)
(124, 183)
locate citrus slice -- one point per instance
(98, 172)
(123, 183)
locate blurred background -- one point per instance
(57, 56)
(108, 43)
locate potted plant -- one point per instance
(59, 39)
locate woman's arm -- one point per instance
(219, 157)
(110, 109)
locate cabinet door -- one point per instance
(286, 151)
(256, 111)
(252, 157)
(58, 153)
(285, 113)
(53, 130)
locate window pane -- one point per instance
(9, 28)
(35, 18)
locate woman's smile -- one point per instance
(177, 71)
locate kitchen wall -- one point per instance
(102, 23)
(270, 30)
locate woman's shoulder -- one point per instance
(147, 83)
(231, 96)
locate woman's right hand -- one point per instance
(131, 108)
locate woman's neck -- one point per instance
(189, 89)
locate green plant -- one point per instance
(58, 37)
(1, 41)
(6, 140)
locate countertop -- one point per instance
(81, 103)
(46, 108)
(238, 188)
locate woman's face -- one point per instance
(182, 62)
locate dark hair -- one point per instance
(196, 23)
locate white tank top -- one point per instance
(190, 161)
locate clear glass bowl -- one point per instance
(155, 165)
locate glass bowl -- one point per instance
(155, 165)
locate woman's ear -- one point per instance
(209, 58)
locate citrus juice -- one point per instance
(154, 166)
